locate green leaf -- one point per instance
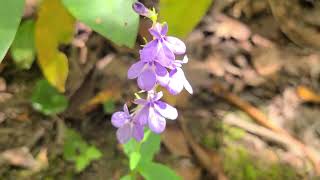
(182, 15)
(23, 47)
(47, 99)
(109, 106)
(127, 177)
(150, 145)
(10, 16)
(113, 19)
(75, 149)
(131, 146)
(134, 160)
(156, 171)
(93, 153)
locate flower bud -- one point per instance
(141, 9)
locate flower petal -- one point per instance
(126, 110)
(165, 55)
(156, 122)
(147, 80)
(135, 69)
(176, 45)
(187, 86)
(140, 101)
(157, 95)
(119, 118)
(155, 32)
(149, 51)
(142, 115)
(166, 110)
(175, 85)
(124, 133)
(164, 29)
(137, 132)
(162, 74)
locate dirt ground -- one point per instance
(254, 114)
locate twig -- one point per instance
(262, 119)
(261, 132)
(36, 137)
(60, 130)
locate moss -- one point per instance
(239, 165)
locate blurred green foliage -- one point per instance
(23, 47)
(75, 149)
(240, 165)
(141, 155)
(182, 15)
(109, 106)
(47, 100)
(10, 16)
(114, 19)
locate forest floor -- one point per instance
(254, 113)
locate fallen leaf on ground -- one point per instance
(100, 98)
(308, 95)
(19, 157)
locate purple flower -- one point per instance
(153, 112)
(177, 79)
(148, 73)
(141, 9)
(163, 48)
(127, 126)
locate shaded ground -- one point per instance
(241, 51)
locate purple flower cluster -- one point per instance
(157, 66)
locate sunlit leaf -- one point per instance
(182, 15)
(113, 19)
(23, 48)
(156, 171)
(10, 16)
(134, 160)
(54, 26)
(131, 146)
(47, 99)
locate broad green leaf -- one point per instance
(23, 48)
(54, 26)
(182, 15)
(156, 171)
(10, 16)
(75, 149)
(47, 99)
(113, 19)
(134, 160)
(150, 146)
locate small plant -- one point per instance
(76, 150)
(47, 100)
(157, 67)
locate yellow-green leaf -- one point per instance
(182, 15)
(54, 26)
